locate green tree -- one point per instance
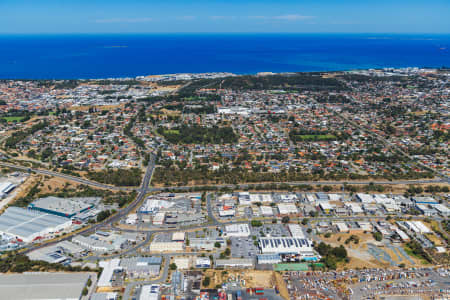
(377, 236)
(206, 281)
(256, 223)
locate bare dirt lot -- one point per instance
(359, 253)
(253, 278)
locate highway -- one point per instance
(143, 190)
(65, 176)
(231, 186)
(294, 183)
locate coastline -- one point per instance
(129, 55)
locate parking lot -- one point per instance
(366, 284)
(243, 247)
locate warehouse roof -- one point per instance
(64, 206)
(235, 262)
(140, 263)
(287, 208)
(178, 236)
(296, 231)
(42, 285)
(109, 266)
(24, 222)
(6, 187)
(237, 230)
(284, 242)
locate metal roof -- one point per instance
(24, 222)
(42, 285)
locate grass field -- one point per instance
(171, 131)
(318, 137)
(13, 119)
(412, 254)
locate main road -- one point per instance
(296, 183)
(186, 188)
(65, 176)
(142, 191)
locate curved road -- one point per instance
(121, 213)
(65, 176)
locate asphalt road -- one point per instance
(247, 185)
(209, 208)
(242, 186)
(65, 176)
(162, 278)
(143, 190)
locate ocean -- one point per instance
(120, 55)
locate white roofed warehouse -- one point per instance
(28, 225)
(6, 187)
(63, 207)
(287, 208)
(285, 245)
(237, 230)
(43, 286)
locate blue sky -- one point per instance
(211, 16)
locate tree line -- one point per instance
(199, 135)
(117, 177)
(18, 136)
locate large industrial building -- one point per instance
(296, 231)
(63, 207)
(237, 230)
(6, 188)
(40, 286)
(417, 227)
(62, 253)
(287, 208)
(149, 292)
(235, 263)
(28, 225)
(288, 245)
(101, 244)
(109, 268)
(245, 198)
(152, 206)
(166, 246)
(141, 267)
(206, 243)
(268, 259)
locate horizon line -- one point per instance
(221, 33)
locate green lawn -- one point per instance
(291, 267)
(171, 131)
(316, 137)
(13, 119)
(411, 253)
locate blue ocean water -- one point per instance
(101, 56)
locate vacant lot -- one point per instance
(253, 278)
